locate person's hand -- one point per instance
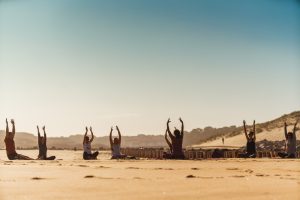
(117, 128)
(111, 129)
(254, 121)
(91, 129)
(86, 129)
(285, 124)
(12, 121)
(296, 123)
(168, 121)
(180, 120)
(44, 128)
(37, 127)
(6, 121)
(244, 122)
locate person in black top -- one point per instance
(177, 140)
(250, 146)
(42, 142)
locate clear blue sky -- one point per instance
(71, 63)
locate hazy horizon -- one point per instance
(135, 63)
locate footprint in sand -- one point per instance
(191, 176)
(137, 178)
(249, 171)
(37, 178)
(261, 175)
(288, 178)
(194, 168)
(159, 168)
(132, 168)
(238, 176)
(234, 168)
(82, 165)
(89, 176)
(102, 167)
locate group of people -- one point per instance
(290, 138)
(11, 148)
(175, 144)
(115, 145)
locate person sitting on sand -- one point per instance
(250, 146)
(42, 142)
(290, 144)
(167, 155)
(115, 145)
(177, 139)
(10, 144)
(87, 147)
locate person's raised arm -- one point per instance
(245, 130)
(39, 135)
(295, 128)
(167, 140)
(13, 128)
(254, 130)
(182, 126)
(7, 129)
(110, 138)
(285, 130)
(92, 134)
(119, 133)
(45, 135)
(86, 131)
(168, 129)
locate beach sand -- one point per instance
(73, 178)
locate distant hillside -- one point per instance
(27, 140)
(270, 131)
(197, 136)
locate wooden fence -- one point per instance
(194, 154)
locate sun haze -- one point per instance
(67, 64)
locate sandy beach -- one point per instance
(73, 178)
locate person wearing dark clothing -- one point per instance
(42, 142)
(250, 146)
(176, 139)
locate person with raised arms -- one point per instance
(177, 140)
(250, 145)
(42, 142)
(290, 143)
(115, 145)
(87, 146)
(10, 144)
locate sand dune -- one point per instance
(240, 140)
(73, 178)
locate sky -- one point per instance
(68, 64)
